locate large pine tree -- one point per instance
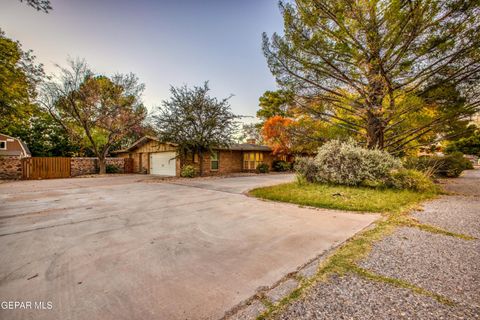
(370, 65)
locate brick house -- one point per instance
(151, 156)
(13, 147)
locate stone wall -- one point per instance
(83, 166)
(117, 162)
(10, 168)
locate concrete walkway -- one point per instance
(444, 265)
(128, 248)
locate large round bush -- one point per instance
(346, 163)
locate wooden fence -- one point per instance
(58, 167)
(45, 168)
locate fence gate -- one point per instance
(127, 165)
(46, 167)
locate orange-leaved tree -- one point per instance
(276, 132)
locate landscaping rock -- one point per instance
(444, 213)
(309, 270)
(249, 312)
(351, 297)
(282, 290)
(445, 265)
(467, 184)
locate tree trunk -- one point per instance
(377, 84)
(102, 164)
(200, 159)
(375, 132)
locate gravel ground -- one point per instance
(459, 213)
(444, 265)
(467, 184)
(351, 297)
(454, 213)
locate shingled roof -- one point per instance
(234, 147)
(247, 147)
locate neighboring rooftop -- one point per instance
(14, 147)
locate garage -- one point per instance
(163, 163)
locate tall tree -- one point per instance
(468, 145)
(21, 117)
(19, 78)
(275, 103)
(45, 137)
(352, 63)
(95, 110)
(196, 122)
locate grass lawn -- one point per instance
(342, 197)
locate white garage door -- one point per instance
(163, 163)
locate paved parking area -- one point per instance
(126, 247)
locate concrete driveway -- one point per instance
(127, 247)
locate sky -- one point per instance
(164, 42)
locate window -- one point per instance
(3, 145)
(214, 160)
(251, 160)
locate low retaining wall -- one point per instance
(10, 168)
(82, 166)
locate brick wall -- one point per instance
(10, 168)
(229, 162)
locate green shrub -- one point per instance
(427, 165)
(301, 180)
(188, 171)
(410, 179)
(281, 165)
(346, 163)
(263, 168)
(454, 164)
(450, 166)
(468, 145)
(306, 169)
(469, 165)
(110, 168)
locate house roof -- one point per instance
(25, 148)
(23, 145)
(235, 147)
(247, 147)
(11, 153)
(137, 144)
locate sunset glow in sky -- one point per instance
(164, 42)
